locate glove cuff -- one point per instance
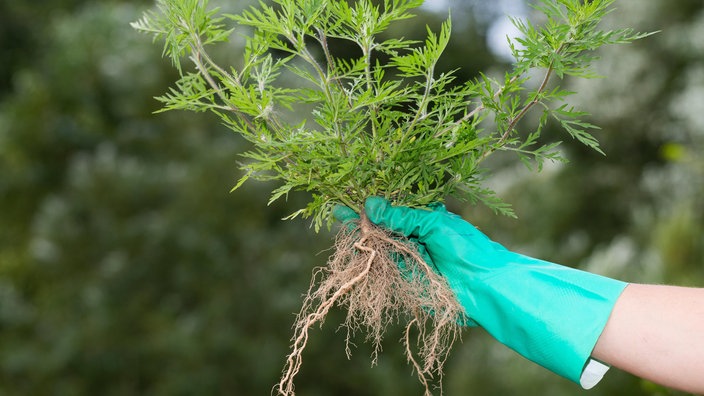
(551, 314)
(593, 372)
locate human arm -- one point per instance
(657, 333)
(554, 315)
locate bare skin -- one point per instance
(657, 333)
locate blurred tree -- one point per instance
(125, 266)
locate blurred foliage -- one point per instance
(126, 266)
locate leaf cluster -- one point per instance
(384, 121)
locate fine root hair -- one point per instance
(380, 278)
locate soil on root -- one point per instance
(381, 279)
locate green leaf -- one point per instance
(344, 129)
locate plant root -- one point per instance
(381, 279)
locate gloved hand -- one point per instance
(550, 314)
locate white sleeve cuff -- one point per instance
(592, 374)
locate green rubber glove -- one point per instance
(548, 313)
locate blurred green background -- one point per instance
(127, 267)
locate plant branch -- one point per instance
(474, 112)
(322, 39)
(526, 108)
(421, 112)
(514, 121)
(198, 52)
(367, 54)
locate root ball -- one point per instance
(380, 279)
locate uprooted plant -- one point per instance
(382, 121)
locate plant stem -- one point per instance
(474, 112)
(422, 108)
(322, 39)
(526, 108)
(514, 121)
(198, 52)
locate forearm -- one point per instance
(657, 333)
(558, 316)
